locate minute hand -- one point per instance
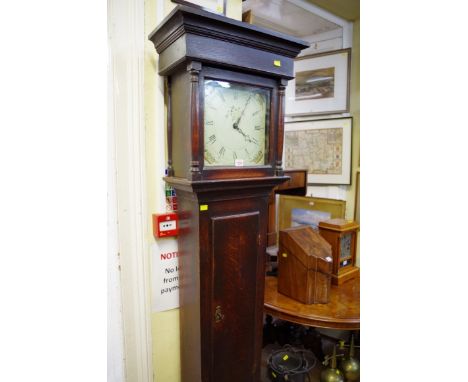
(236, 124)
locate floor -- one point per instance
(314, 375)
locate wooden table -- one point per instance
(342, 311)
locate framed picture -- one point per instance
(216, 6)
(323, 146)
(306, 210)
(357, 200)
(321, 84)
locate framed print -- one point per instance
(323, 146)
(321, 84)
(216, 6)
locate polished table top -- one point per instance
(342, 311)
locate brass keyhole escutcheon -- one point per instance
(218, 314)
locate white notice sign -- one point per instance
(165, 275)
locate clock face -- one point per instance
(345, 246)
(236, 124)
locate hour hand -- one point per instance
(246, 136)
(237, 128)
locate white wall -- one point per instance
(127, 196)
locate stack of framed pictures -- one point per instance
(323, 146)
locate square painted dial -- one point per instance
(235, 124)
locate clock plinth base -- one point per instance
(350, 273)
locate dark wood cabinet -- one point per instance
(295, 185)
(225, 101)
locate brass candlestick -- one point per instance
(332, 374)
(350, 365)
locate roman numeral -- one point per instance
(258, 127)
(209, 123)
(222, 151)
(212, 139)
(234, 154)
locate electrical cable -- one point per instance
(303, 368)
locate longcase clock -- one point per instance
(225, 84)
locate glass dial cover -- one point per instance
(235, 124)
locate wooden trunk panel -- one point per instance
(235, 252)
(232, 246)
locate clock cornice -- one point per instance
(181, 36)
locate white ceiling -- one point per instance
(286, 17)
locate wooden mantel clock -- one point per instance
(225, 104)
(342, 236)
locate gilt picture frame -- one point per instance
(215, 6)
(357, 198)
(323, 146)
(300, 210)
(321, 84)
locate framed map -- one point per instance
(322, 146)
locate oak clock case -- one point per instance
(225, 84)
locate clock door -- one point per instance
(236, 317)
